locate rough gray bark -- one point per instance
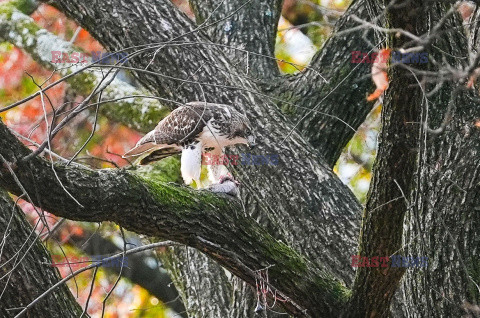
(256, 34)
(443, 223)
(25, 271)
(317, 197)
(332, 204)
(425, 186)
(197, 219)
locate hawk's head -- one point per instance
(242, 129)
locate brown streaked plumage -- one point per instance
(190, 130)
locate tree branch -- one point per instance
(138, 113)
(325, 127)
(254, 29)
(300, 168)
(198, 219)
(155, 280)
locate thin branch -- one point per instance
(95, 265)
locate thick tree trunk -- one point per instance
(443, 223)
(425, 186)
(222, 84)
(413, 174)
(25, 271)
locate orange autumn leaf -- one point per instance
(379, 74)
(12, 64)
(76, 230)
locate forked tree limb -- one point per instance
(171, 69)
(251, 29)
(214, 225)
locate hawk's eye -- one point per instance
(245, 129)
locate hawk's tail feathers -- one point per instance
(145, 144)
(159, 154)
(139, 150)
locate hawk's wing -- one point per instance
(182, 125)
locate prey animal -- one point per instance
(193, 130)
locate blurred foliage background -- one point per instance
(303, 28)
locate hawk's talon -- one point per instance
(228, 177)
(227, 185)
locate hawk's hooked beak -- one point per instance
(251, 142)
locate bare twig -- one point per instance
(81, 270)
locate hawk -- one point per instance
(192, 130)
